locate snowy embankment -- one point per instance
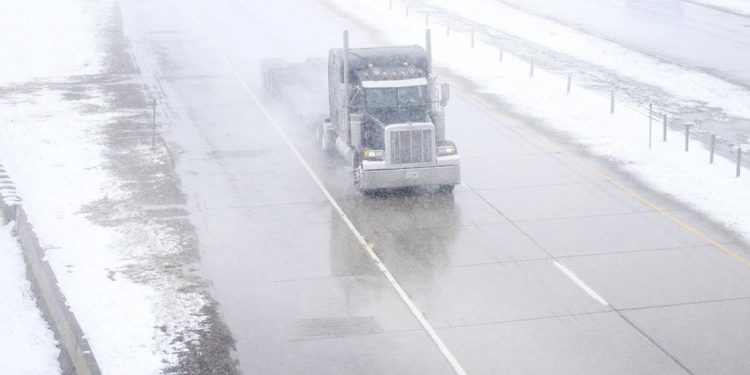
(685, 85)
(27, 345)
(734, 6)
(56, 105)
(584, 115)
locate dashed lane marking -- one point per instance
(580, 283)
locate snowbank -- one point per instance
(28, 345)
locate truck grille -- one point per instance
(411, 146)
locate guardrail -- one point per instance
(76, 355)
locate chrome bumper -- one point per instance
(407, 177)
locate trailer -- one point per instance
(386, 113)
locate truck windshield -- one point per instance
(391, 97)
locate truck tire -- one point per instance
(357, 170)
(446, 188)
(324, 139)
(357, 176)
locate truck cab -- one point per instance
(387, 119)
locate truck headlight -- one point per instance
(445, 148)
(372, 155)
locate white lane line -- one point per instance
(580, 283)
(388, 275)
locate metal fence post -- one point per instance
(612, 102)
(448, 29)
(472, 39)
(501, 55)
(739, 160)
(687, 137)
(390, 5)
(664, 138)
(407, 11)
(570, 78)
(531, 68)
(713, 149)
(153, 125)
(650, 124)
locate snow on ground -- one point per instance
(46, 38)
(28, 346)
(685, 84)
(46, 146)
(736, 6)
(54, 112)
(584, 116)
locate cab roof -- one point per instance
(384, 57)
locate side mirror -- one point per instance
(445, 94)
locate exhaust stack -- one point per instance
(346, 56)
(428, 45)
(345, 121)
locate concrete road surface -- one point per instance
(544, 261)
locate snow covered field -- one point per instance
(684, 84)
(736, 6)
(28, 345)
(585, 114)
(52, 154)
(57, 108)
(48, 39)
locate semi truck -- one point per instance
(386, 114)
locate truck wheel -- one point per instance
(446, 188)
(357, 176)
(357, 171)
(324, 139)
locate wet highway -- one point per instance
(544, 261)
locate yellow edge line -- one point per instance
(534, 134)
